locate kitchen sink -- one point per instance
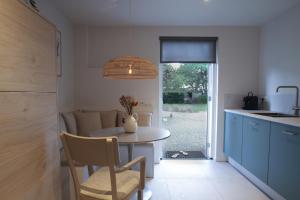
(275, 114)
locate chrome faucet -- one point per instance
(296, 107)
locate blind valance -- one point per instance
(188, 49)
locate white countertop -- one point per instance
(293, 121)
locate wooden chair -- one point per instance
(108, 182)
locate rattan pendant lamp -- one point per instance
(129, 67)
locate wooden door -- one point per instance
(29, 152)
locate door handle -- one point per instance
(289, 133)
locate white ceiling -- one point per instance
(173, 12)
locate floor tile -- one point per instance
(200, 180)
(178, 169)
(237, 189)
(159, 188)
(192, 189)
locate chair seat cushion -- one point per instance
(127, 182)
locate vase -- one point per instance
(130, 124)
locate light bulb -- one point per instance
(130, 70)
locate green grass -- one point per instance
(185, 107)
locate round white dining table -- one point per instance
(142, 135)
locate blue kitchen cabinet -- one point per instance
(255, 150)
(233, 136)
(284, 163)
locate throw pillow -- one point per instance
(70, 122)
(144, 119)
(109, 118)
(88, 122)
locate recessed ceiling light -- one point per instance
(206, 0)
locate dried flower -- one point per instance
(128, 103)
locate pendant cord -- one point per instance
(131, 23)
(131, 66)
(130, 10)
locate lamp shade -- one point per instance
(129, 67)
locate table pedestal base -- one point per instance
(147, 194)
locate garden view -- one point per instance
(185, 109)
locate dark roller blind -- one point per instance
(188, 49)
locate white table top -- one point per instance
(142, 135)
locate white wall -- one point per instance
(280, 58)
(66, 82)
(65, 90)
(238, 49)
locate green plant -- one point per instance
(202, 99)
(173, 98)
(185, 77)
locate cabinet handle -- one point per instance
(289, 133)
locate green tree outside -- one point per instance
(189, 79)
(194, 77)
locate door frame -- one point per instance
(211, 110)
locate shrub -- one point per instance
(201, 99)
(173, 98)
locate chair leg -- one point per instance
(140, 195)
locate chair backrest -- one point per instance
(100, 151)
(91, 151)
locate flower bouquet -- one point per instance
(130, 123)
(128, 103)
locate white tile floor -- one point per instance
(200, 180)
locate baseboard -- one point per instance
(260, 184)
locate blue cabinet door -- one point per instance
(233, 136)
(284, 164)
(256, 141)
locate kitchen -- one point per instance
(257, 50)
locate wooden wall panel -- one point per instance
(27, 49)
(29, 144)
(29, 152)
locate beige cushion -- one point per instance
(70, 122)
(144, 119)
(127, 182)
(121, 116)
(87, 122)
(109, 118)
